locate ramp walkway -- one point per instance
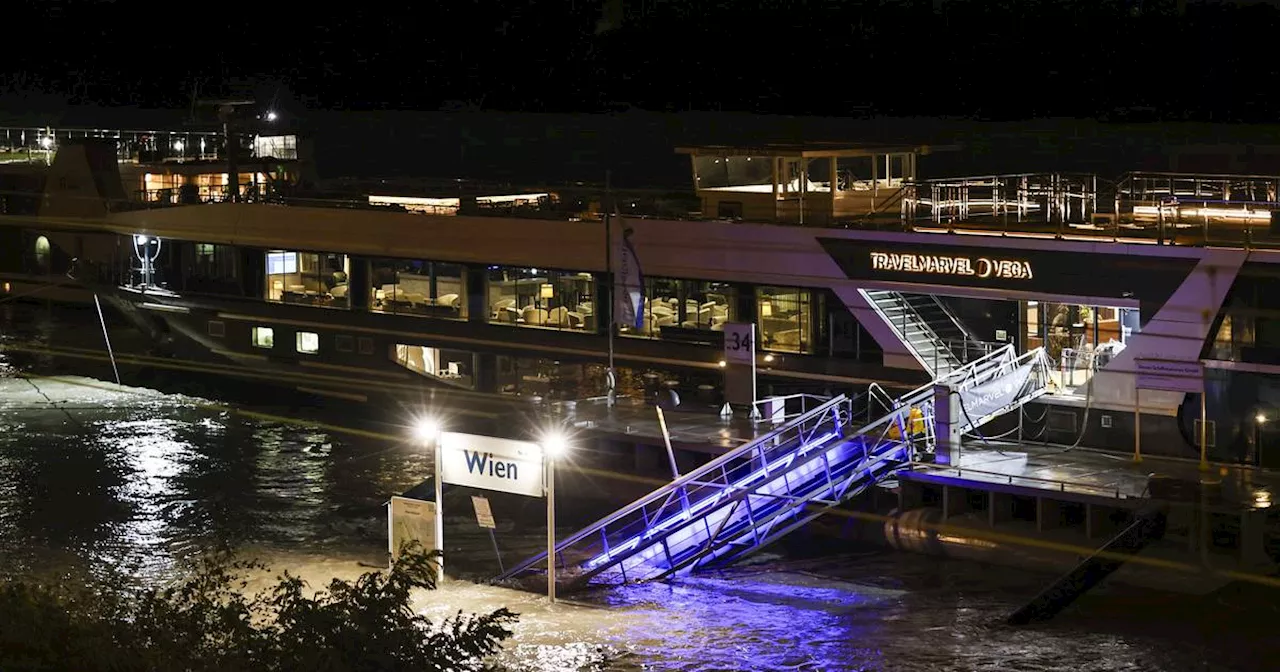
(755, 494)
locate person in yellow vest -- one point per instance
(914, 423)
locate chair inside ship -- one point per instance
(748, 498)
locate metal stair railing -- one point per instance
(794, 405)
(969, 341)
(1036, 385)
(801, 485)
(939, 345)
(760, 506)
(756, 512)
(755, 494)
(692, 494)
(988, 368)
(979, 371)
(883, 446)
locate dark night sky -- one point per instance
(989, 58)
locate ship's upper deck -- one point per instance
(1136, 208)
(824, 186)
(38, 145)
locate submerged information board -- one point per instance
(411, 520)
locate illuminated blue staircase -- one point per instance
(753, 495)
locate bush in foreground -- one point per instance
(208, 621)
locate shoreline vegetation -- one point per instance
(209, 619)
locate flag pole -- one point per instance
(611, 376)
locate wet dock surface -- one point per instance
(1095, 474)
(1076, 471)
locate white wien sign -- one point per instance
(490, 463)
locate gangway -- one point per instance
(753, 495)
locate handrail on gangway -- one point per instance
(691, 478)
(821, 457)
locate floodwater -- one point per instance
(95, 476)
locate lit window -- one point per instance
(264, 337)
(344, 343)
(279, 263)
(42, 253)
(308, 342)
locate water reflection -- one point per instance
(113, 478)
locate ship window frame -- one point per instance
(311, 345)
(217, 328)
(269, 343)
(364, 345)
(344, 343)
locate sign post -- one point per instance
(504, 465)
(439, 509)
(1173, 376)
(740, 364)
(549, 463)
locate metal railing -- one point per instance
(935, 360)
(758, 492)
(948, 353)
(621, 533)
(1041, 198)
(794, 405)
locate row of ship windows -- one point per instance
(305, 342)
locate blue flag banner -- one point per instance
(628, 281)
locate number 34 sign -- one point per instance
(739, 343)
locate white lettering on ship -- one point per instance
(980, 267)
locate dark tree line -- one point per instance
(210, 621)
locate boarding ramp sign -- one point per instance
(490, 463)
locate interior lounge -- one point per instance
(417, 287)
(1079, 339)
(308, 278)
(541, 297)
(673, 305)
(786, 316)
